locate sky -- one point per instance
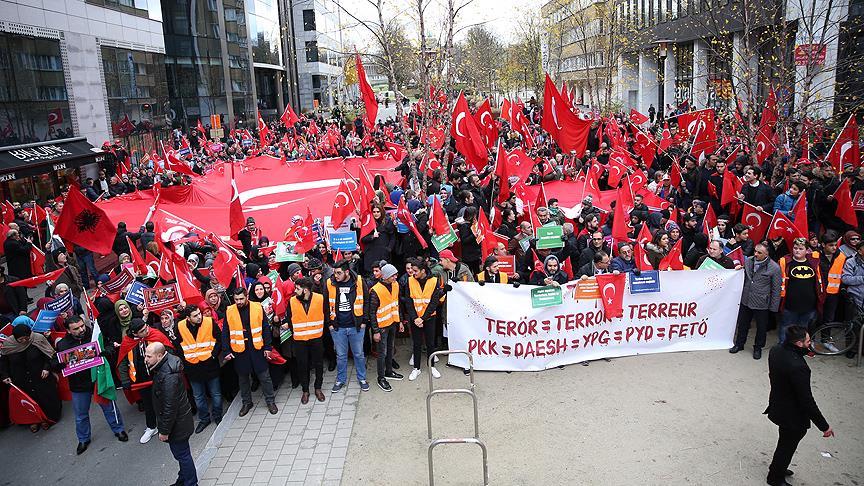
(500, 16)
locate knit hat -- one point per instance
(388, 271)
(294, 268)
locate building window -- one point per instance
(138, 8)
(308, 20)
(137, 91)
(684, 73)
(312, 51)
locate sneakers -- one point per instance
(148, 434)
(337, 386)
(830, 347)
(394, 364)
(435, 372)
(394, 376)
(414, 374)
(382, 383)
(364, 385)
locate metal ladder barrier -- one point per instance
(454, 391)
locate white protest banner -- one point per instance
(695, 310)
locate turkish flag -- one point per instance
(405, 216)
(366, 94)
(486, 123)
(637, 118)
(85, 225)
(675, 174)
(709, 221)
(736, 256)
(617, 170)
(263, 130)
(236, 219)
(567, 129)
(38, 279)
(289, 118)
(673, 260)
(640, 257)
(637, 180)
(700, 126)
(765, 136)
(226, 261)
(758, 221)
(465, 132)
(621, 220)
(137, 260)
(845, 149)
(845, 211)
(612, 294)
(301, 233)
(440, 224)
(186, 283)
(502, 170)
(666, 138)
(519, 163)
(783, 227)
(507, 111)
(799, 215)
(395, 150)
(201, 130)
(37, 261)
(731, 187)
(343, 205)
(55, 117)
(644, 146)
(23, 410)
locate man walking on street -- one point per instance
(245, 341)
(81, 386)
(306, 314)
(791, 405)
(383, 314)
(173, 412)
(201, 345)
(346, 294)
(761, 297)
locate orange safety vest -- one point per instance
(835, 274)
(421, 297)
(388, 304)
(307, 325)
(132, 372)
(358, 301)
(199, 348)
(481, 277)
(235, 327)
(816, 271)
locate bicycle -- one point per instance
(836, 338)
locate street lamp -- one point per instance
(663, 47)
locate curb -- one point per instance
(202, 462)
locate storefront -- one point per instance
(37, 170)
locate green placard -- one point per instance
(273, 276)
(285, 252)
(443, 242)
(550, 237)
(546, 296)
(710, 264)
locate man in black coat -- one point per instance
(791, 405)
(17, 251)
(13, 300)
(173, 412)
(756, 192)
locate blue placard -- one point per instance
(61, 303)
(135, 296)
(247, 142)
(45, 320)
(646, 282)
(345, 241)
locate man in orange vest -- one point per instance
(383, 314)
(420, 302)
(306, 314)
(200, 346)
(345, 293)
(246, 339)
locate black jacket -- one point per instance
(173, 412)
(380, 248)
(791, 402)
(16, 297)
(18, 257)
(761, 196)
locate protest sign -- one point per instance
(119, 282)
(343, 240)
(159, 298)
(443, 242)
(546, 296)
(45, 320)
(709, 264)
(695, 310)
(858, 201)
(550, 237)
(5, 332)
(586, 289)
(285, 252)
(61, 303)
(645, 282)
(507, 264)
(80, 358)
(135, 296)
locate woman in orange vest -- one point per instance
(420, 301)
(306, 314)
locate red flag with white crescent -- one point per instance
(343, 205)
(611, 294)
(23, 410)
(759, 221)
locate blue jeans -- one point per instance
(87, 267)
(789, 318)
(187, 475)
(200, 390)
(81, 406)
(343, 337)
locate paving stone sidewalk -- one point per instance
(301, 445)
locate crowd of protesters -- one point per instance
(281, 322)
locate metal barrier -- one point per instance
(860, 345)
(479, 442)
(454, 391)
